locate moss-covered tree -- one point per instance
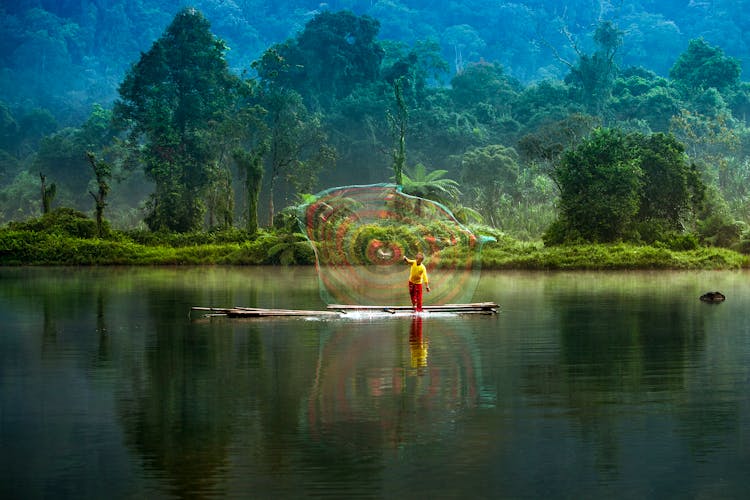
(48, 193)
(250, 164)
(103, 173)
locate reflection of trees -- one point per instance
(281, 388)
(49, 329)
(220, 407)
(202, 388)
(103, 354)
(623, 348)
(650, 334)
(177, 410)
(610, 357)
(201, 403)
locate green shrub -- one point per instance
(65, 221)
(177, 240)
(721, 231)
(744, 244)
(560, 233)
(682, 242)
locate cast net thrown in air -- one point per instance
(360, 235)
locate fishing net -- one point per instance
(360, 235)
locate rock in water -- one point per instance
(713, 297)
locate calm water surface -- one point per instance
(586, 385)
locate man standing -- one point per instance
(417, 277)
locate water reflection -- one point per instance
(626, 351)
(178, 402)
(417, 344)
(374, 382)
(581, 386)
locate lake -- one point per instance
(585, 385)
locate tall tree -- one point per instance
(243, 144)
(48, 193)
(592, 76)
(62, 155)
(600, 182)
(297, 145)
(398, 122)
(703, 66)
(711, 141)
(251, 166)
(463, 39)
(545, 146)
(672, 188)
(336, 52)
(172, 100)
(102, 172)
(613, 185)
(414, 66)
(492, 173)
(484, 83)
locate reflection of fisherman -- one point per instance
(417, 344)
(417, 276)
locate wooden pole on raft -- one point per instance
(473, 307)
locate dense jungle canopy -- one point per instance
(576, 121)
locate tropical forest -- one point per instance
(582, 134)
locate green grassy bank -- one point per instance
(30, 248)
(25, 247)
(610, 256)
(67, 237)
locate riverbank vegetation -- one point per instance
(66, 237)
(610, 167)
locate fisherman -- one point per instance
(417, 277)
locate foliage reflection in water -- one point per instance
(586, 384)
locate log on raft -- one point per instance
(256, 312)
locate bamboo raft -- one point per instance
(339, 310)
(473, 308)
(257, 312)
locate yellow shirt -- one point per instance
(418, 273)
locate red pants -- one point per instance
(415, 293)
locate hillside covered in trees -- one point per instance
(599, 122)
(70, 55)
